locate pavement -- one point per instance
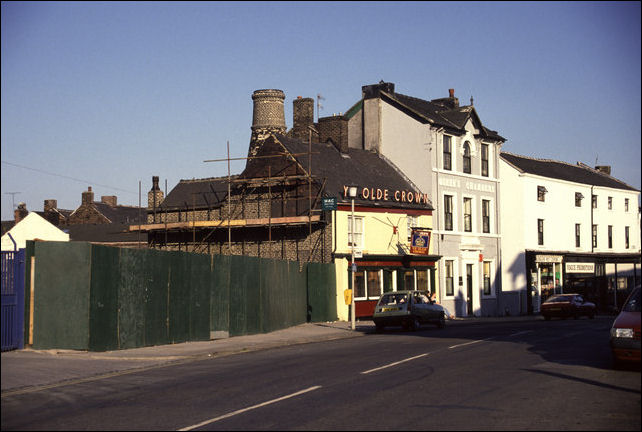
(28, 370)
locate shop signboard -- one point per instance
(580, 267)
(420, 244)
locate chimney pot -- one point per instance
(451, 92)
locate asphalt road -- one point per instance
(532, 375)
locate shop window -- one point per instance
(484, 160)
(486, 269)
(467, 164)
(422, 280)
(447, 153)
(387, 280)
(374, 284)
(359, 284)
(448, 212)
(468, 214)
(449, 278)
(409, 279)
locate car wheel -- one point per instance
(416, 325)
(379, 328)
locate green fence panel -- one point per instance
(200, 281)
(273, 295)
(131, 295)
(156, 297)
(297, 301)
(61, 295)
(103, 312)
(220, 296)
(245, 312)
(322, 302)
(179, 297)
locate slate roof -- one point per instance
(104, 233)
(207, 192)
(578, 173)
(360, 167)
(439, 113)
(120, 213)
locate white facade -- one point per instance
(413, 143)
(551, 222)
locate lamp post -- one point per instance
(352, 191)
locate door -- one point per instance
(469, 288)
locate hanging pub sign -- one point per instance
(420, 241)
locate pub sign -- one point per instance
(420, 244)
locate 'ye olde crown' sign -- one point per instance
(377, 194)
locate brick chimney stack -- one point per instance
(606, 169)
(303, 116)
(88, 196)
(21, 212)
(154, 200)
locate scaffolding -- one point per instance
(235, 217)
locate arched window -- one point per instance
(467, 157)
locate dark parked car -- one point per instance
(408, 309)
(567, 305)
(625, 332)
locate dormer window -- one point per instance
(467, 157)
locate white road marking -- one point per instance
(249, 408)
(469, 343)
(521, 333)
(395, 363)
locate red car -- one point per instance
(625, 332)
(567, 305)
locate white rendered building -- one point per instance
(567, 228)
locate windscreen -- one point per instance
(633, 305)
(393, 299)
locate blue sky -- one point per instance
(110, 94)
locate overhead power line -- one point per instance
(68, 177)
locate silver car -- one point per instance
(408, 309)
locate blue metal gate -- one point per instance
(13, 296)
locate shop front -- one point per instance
(379, 274)
(604, 279)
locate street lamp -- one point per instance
(352, 193)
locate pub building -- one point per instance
(292, 202)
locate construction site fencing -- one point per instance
(84, 296)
